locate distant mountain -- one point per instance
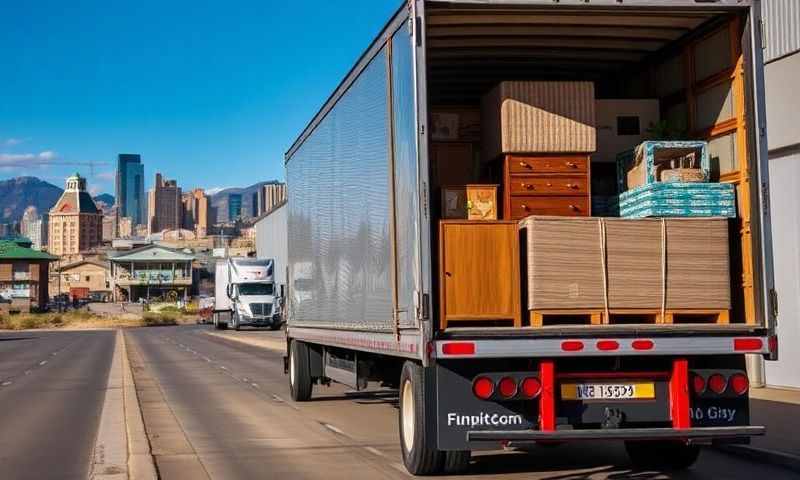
(104, 202)
(16, 194)
(219, 201)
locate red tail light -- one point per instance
(717, 383)
(507, 387)
(643, 344)
(747, 344)
(531, 387)
(607, 345)
(483, 387)
(458, 348)
(699, 384)
(739, 383)
(572, 346)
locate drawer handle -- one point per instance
(572, 165)
(574, 208)
(525, 207)
(572, 186)
(524, 165)
(528, 186)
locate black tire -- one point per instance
(300, 383)
(662, 455)
(420, 455)
(456, 462)
(275, 326)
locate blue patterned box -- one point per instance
(679, 200)
(647, 152)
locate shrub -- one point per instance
(152, 319)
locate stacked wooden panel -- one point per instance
(575, 264)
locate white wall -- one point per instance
(271, 241)
(785, 198)
(781, 79)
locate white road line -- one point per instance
(223, 367)
(374, 451)
(254, 385)
(27, 372)
(6, 383)
(334, 429)
(43, 362)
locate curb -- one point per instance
(110, 453)
(140, 460)
(762, 455)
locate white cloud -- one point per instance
(27, 159)
(215, 190)
(12, 142)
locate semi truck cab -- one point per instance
(248, 294)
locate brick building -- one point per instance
(164, 206)
(76, 224)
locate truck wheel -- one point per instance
(456, 462)
(420, 455)
(662, 455)
(299, 372)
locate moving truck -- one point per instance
(245, 294)
(364, 217)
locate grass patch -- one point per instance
(160, 319)
(28, 321)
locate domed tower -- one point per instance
(76, 224)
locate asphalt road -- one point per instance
(219, 409)
(51, 395)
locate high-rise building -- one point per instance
(124, 227)
(130, 197)
(76, 224)
(270, 196)
(254, 205)
(195, 212)
(164, 206)
(34, 227)
(234, 207)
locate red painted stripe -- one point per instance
(679, 394)
(547, 400)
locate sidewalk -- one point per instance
(778, 410)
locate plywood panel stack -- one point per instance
(675, 264)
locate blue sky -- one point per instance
(209, 93)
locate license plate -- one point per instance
(608, 391)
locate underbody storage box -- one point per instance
(573, 263)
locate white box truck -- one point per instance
(245, 294)
(364, 260)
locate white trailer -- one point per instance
(245, 294)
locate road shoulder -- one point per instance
(252, 338)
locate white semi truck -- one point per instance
(245, 294)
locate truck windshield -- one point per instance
(255, 289)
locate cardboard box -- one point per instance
(565, 259)
(538, 117)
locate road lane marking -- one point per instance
(43, 362)
(254, 385)
(27, 372)
(374, 451)
(6, 383)
(333, 429)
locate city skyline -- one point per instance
(149, 81)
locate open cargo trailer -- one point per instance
(364, 216)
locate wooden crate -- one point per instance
(479, 273)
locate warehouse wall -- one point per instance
(782, 54)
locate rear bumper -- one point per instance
(705, 433)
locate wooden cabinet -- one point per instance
(546, 185)
(469, 202)
(479, 273)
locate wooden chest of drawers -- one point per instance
(546, 185)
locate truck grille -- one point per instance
(261, 309)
